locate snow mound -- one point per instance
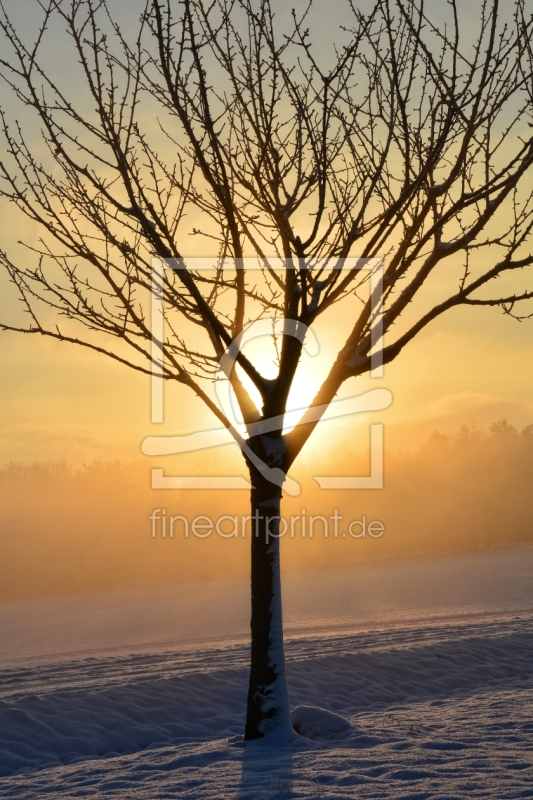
(317, 723)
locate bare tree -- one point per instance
(415, 148)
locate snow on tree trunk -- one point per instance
(268, 712)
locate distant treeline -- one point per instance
(65, 530)
(462, 492)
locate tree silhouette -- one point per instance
(414, 148)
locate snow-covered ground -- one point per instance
(138, 693)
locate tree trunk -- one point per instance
(268, 700)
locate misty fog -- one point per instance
(65, 530)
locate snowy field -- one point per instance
(138, 693)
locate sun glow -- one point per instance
(304, 387)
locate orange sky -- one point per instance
(62, 402)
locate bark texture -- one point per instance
(268, 702)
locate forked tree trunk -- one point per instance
(268, 701)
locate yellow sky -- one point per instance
(62, 402)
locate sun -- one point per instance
(264, 356)
(303, 390)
